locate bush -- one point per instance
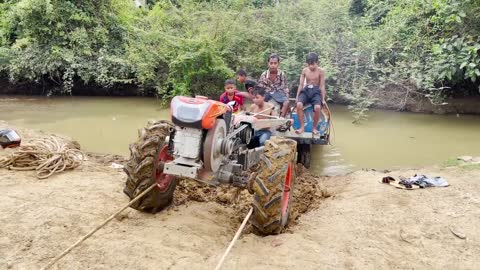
(429, 47)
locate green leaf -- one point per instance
(449, 76)
(436, 49)
(464, 64)
(458, 19)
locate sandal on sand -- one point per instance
(392, 182)
(387, 179)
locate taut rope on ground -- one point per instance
(239, 231)
(47, 156)
(85, 237)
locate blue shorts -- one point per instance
(262, 135)
(310, 95)
(278, 96)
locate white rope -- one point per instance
(68, 250)
(239, 231)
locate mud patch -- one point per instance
(308, 192)
(106, 159)
(229, 196)
(308, 195)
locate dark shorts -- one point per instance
(278, 96)
(310, 95)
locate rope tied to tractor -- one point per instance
(47, 156)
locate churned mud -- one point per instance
(308, 194)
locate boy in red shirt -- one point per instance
(231, 94)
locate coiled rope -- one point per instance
(47, 156)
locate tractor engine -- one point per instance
(187, 144)
(210, 144)
(200, 140)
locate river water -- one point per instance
(388, 140)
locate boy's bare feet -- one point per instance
(315, 131)
(299, 131)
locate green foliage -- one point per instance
(457, 59)
(456, 53)
(62, 40)
(196, 68)
(425, 48)
(422, 47)
(358, 7)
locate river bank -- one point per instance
(389, 99)
(110, 124)
(353, 222)
(400, 100)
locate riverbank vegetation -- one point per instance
(371, 49)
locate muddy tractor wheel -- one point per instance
(273, 186)
(145, 167)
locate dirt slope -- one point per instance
(363, 225)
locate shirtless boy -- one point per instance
(260, 106)
(311, 91)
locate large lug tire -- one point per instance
(145, 167)
(304, 154)
(273, 186)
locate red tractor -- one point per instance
(206, 142)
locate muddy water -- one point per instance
(387, 140)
